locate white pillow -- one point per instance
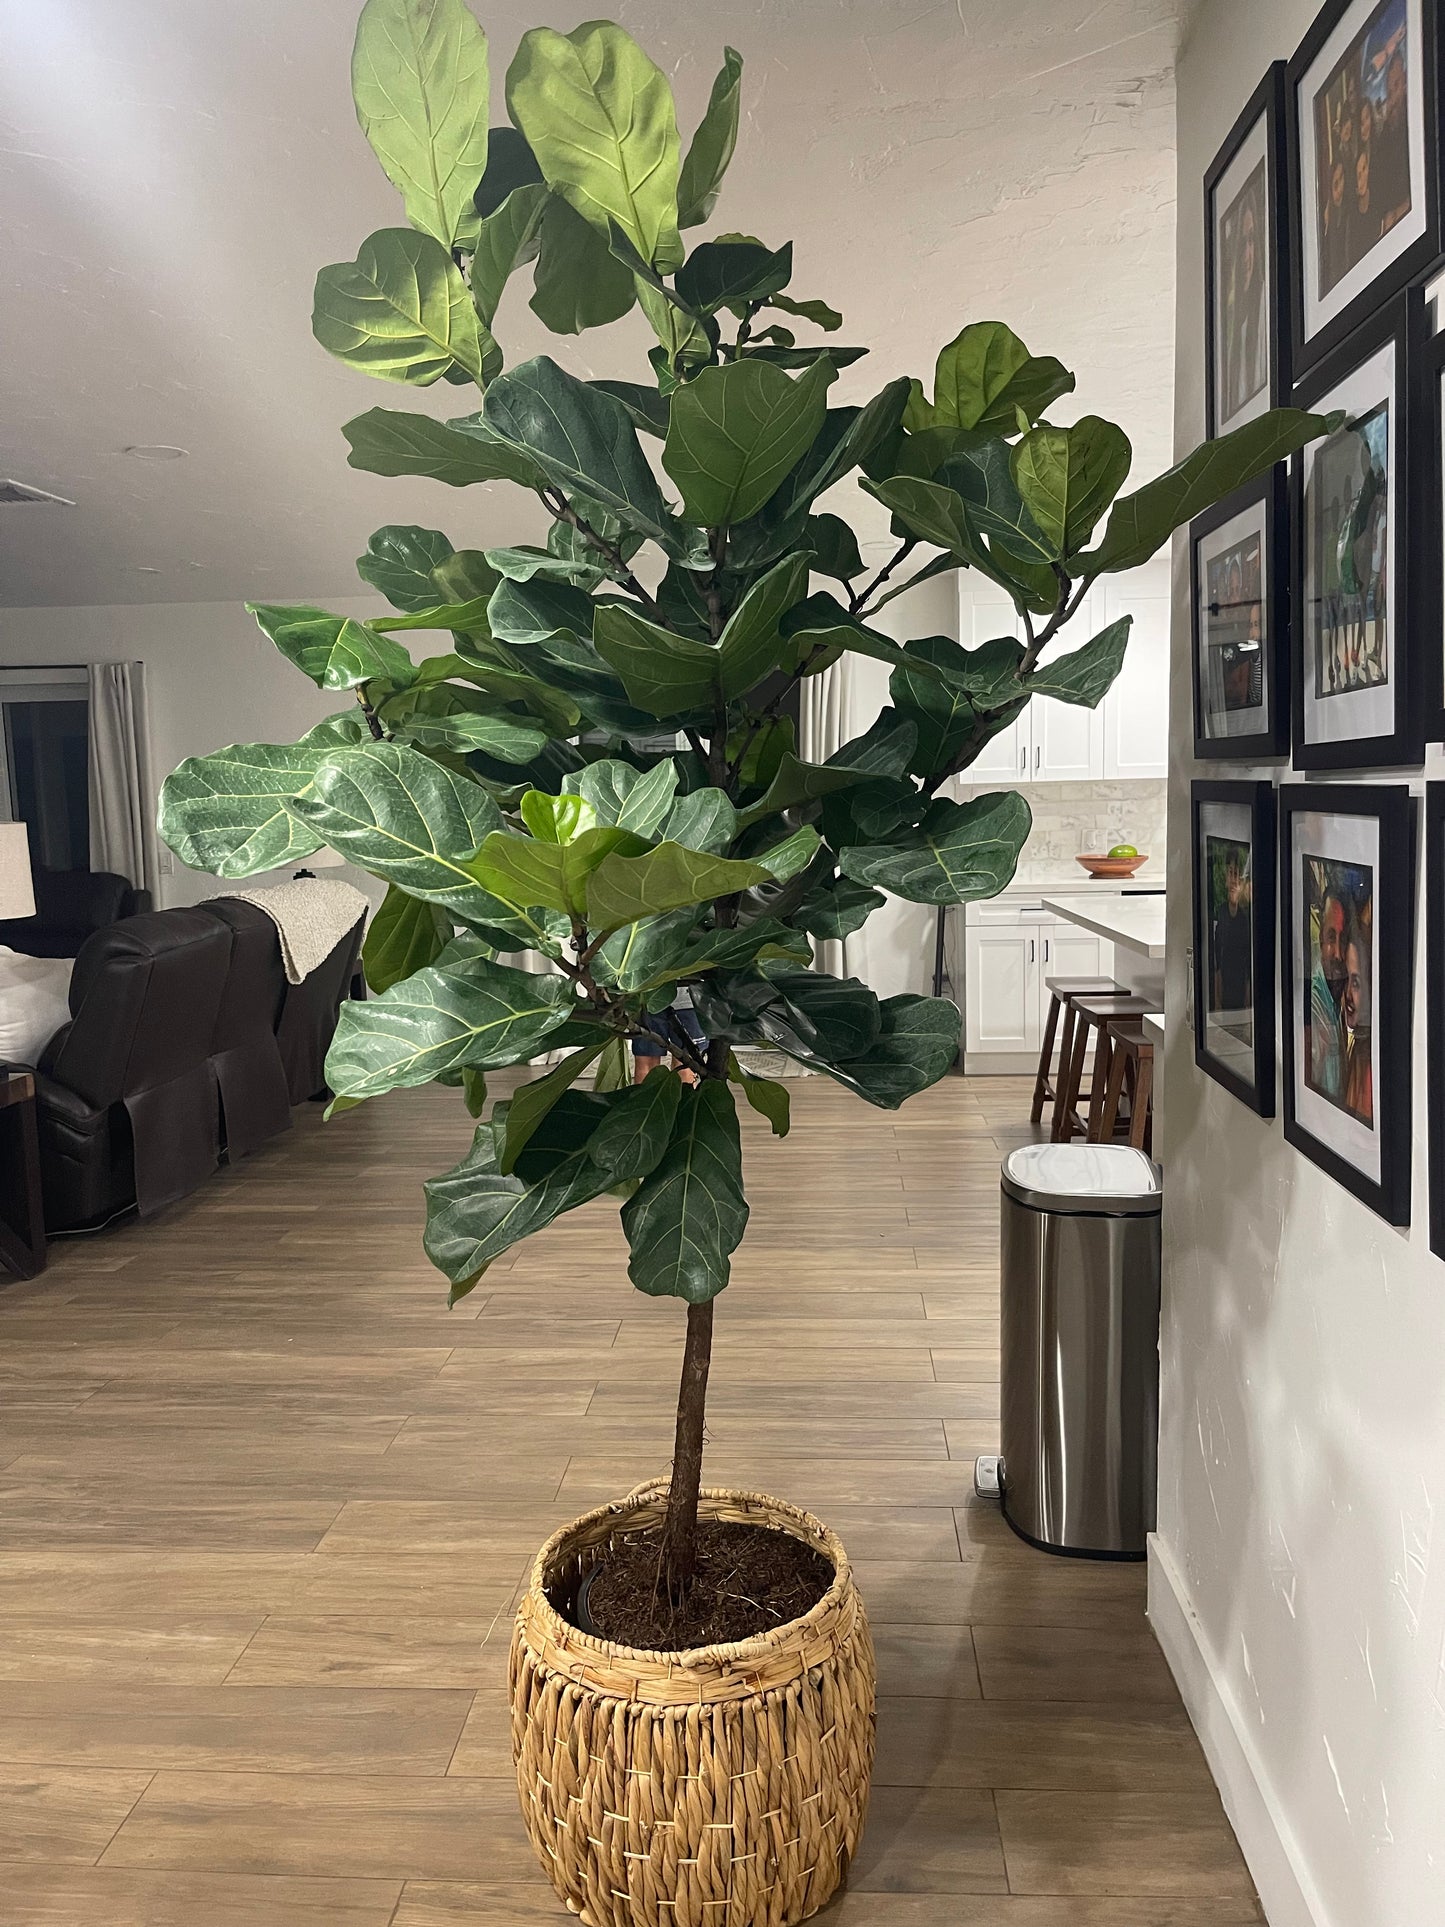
(34, 993)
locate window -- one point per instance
(45, 762)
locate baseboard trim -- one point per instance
(1286, 1892)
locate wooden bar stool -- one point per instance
(1131, 1068)
(1063, 988)
(1096, 1016)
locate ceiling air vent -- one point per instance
(23, 492)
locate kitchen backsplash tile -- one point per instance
(1075, 819)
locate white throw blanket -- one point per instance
(311, 916)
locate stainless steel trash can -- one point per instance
(1080, 1347)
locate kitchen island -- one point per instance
(1135, 927)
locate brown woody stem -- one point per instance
(679, 1532)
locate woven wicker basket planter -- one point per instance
(722, 1787)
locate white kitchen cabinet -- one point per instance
(1011, 948)
(1136, 709)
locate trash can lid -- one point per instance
(1111, 1178)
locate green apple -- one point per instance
(1123, 850)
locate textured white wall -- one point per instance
(1303, 1421)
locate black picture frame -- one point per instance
(1265, 103)
(1307, 349)
(1258, 1089)
(1270, 494)
(1400, 323)
(1427, 521)
(1435, 996)
(1392, 808)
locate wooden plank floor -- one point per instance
(267, 1505)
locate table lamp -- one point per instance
(17, 894)
(323, 859)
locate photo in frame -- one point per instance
(1347, 864)
(1239, 617)
(1234, 857)
(1246, 277)
(1360, 104)
(1427, 515)
(1358, 700)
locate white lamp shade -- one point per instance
(17, 894)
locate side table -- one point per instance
(22, 1217)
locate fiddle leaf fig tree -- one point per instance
(555, 879)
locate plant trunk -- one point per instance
(679, 1532)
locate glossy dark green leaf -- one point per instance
(419, 80)
(917, 1044)
(798, 782)
(636, 800)
(663, 673)
(1083, 675)
(943, 711)
(959, 853)
(1067, 477)
(647, 409)
(768, 1099)
(403, 936)
(623, 889)
(983, 477)
(389, 441)
(718, 274)
(226, 813)
(752, 642)
(532, 1102)
(631, 1139)
(834, 547)
(836, 908)
(643, 954)
(984, 376)
(711, 147)
(398, 563)
(400, 310)
(736, 431)
(579, 284)
(689, 1216)
(505, 242)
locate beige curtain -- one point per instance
(122, 786)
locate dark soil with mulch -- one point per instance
(749, 1579)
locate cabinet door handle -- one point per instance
(1046, 949)
(1024, 760)
(1031, 949)
(1038, 754)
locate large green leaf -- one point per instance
(804, 1012)
(474, 1212)
(765, 940)
(335, 652)
(400, 310)
(507, 738)
(1083, 675)
(959, 853)
(720, 274)
(389, 441)
(929, 510)
(599, 117)
(836, 908)
(752, 643)
(796, 782)
(983, 475)
(663, 673)
(704, 819)
(1067, 477)
(630, 1140)
(226, 813)
(583, 440)
(399, 561)
(917, 1044)
(510, 237)
(419, 80)
(404, 935)
(624, 888)
(523, 870)
(767, 1098)
(1142, 523)
(531, 1102)
(985, 375)
(711, 148)
(943, 711)
(641, 955)
(633, 799)
(690, 1213)
(462, 1010)
(579, 284)
(736, 431)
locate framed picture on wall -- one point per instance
(1360, 101)
(1427, 516)
(1239, 615)
(1347, 866)
(1246, 323)
(1234, 938)
(1435, 993)
(1357, 697)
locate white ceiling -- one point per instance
(173, 173)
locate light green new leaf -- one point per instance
(768, 1099)
(398, 563)
(689, 1216)
(1142, 523)
(226, 813)
(555, 819)
(663, 673)
(505, 241)
(1067, 477)
(467, 618)
(704, 819)
(736, 431)
(522, 871)
(403, 936)
(579, 284)
(984, 376)
(959, 853)
(623, 889)
(463, 1009)
(531, 1102)
(400, 310)
(711, 148)
(635, 800)
(389, 441)
(630, 1140)
(1084, 675)
(751, 644)
(419, 80)
(583, 441)
(599, 117)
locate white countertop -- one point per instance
(1061, 882)
(1133, 921)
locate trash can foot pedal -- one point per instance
(988, 1476)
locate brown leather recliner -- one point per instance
(71, 905)
(250, 1076)
(125, 1094)
(308, 1017)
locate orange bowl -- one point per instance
(1112, 866)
